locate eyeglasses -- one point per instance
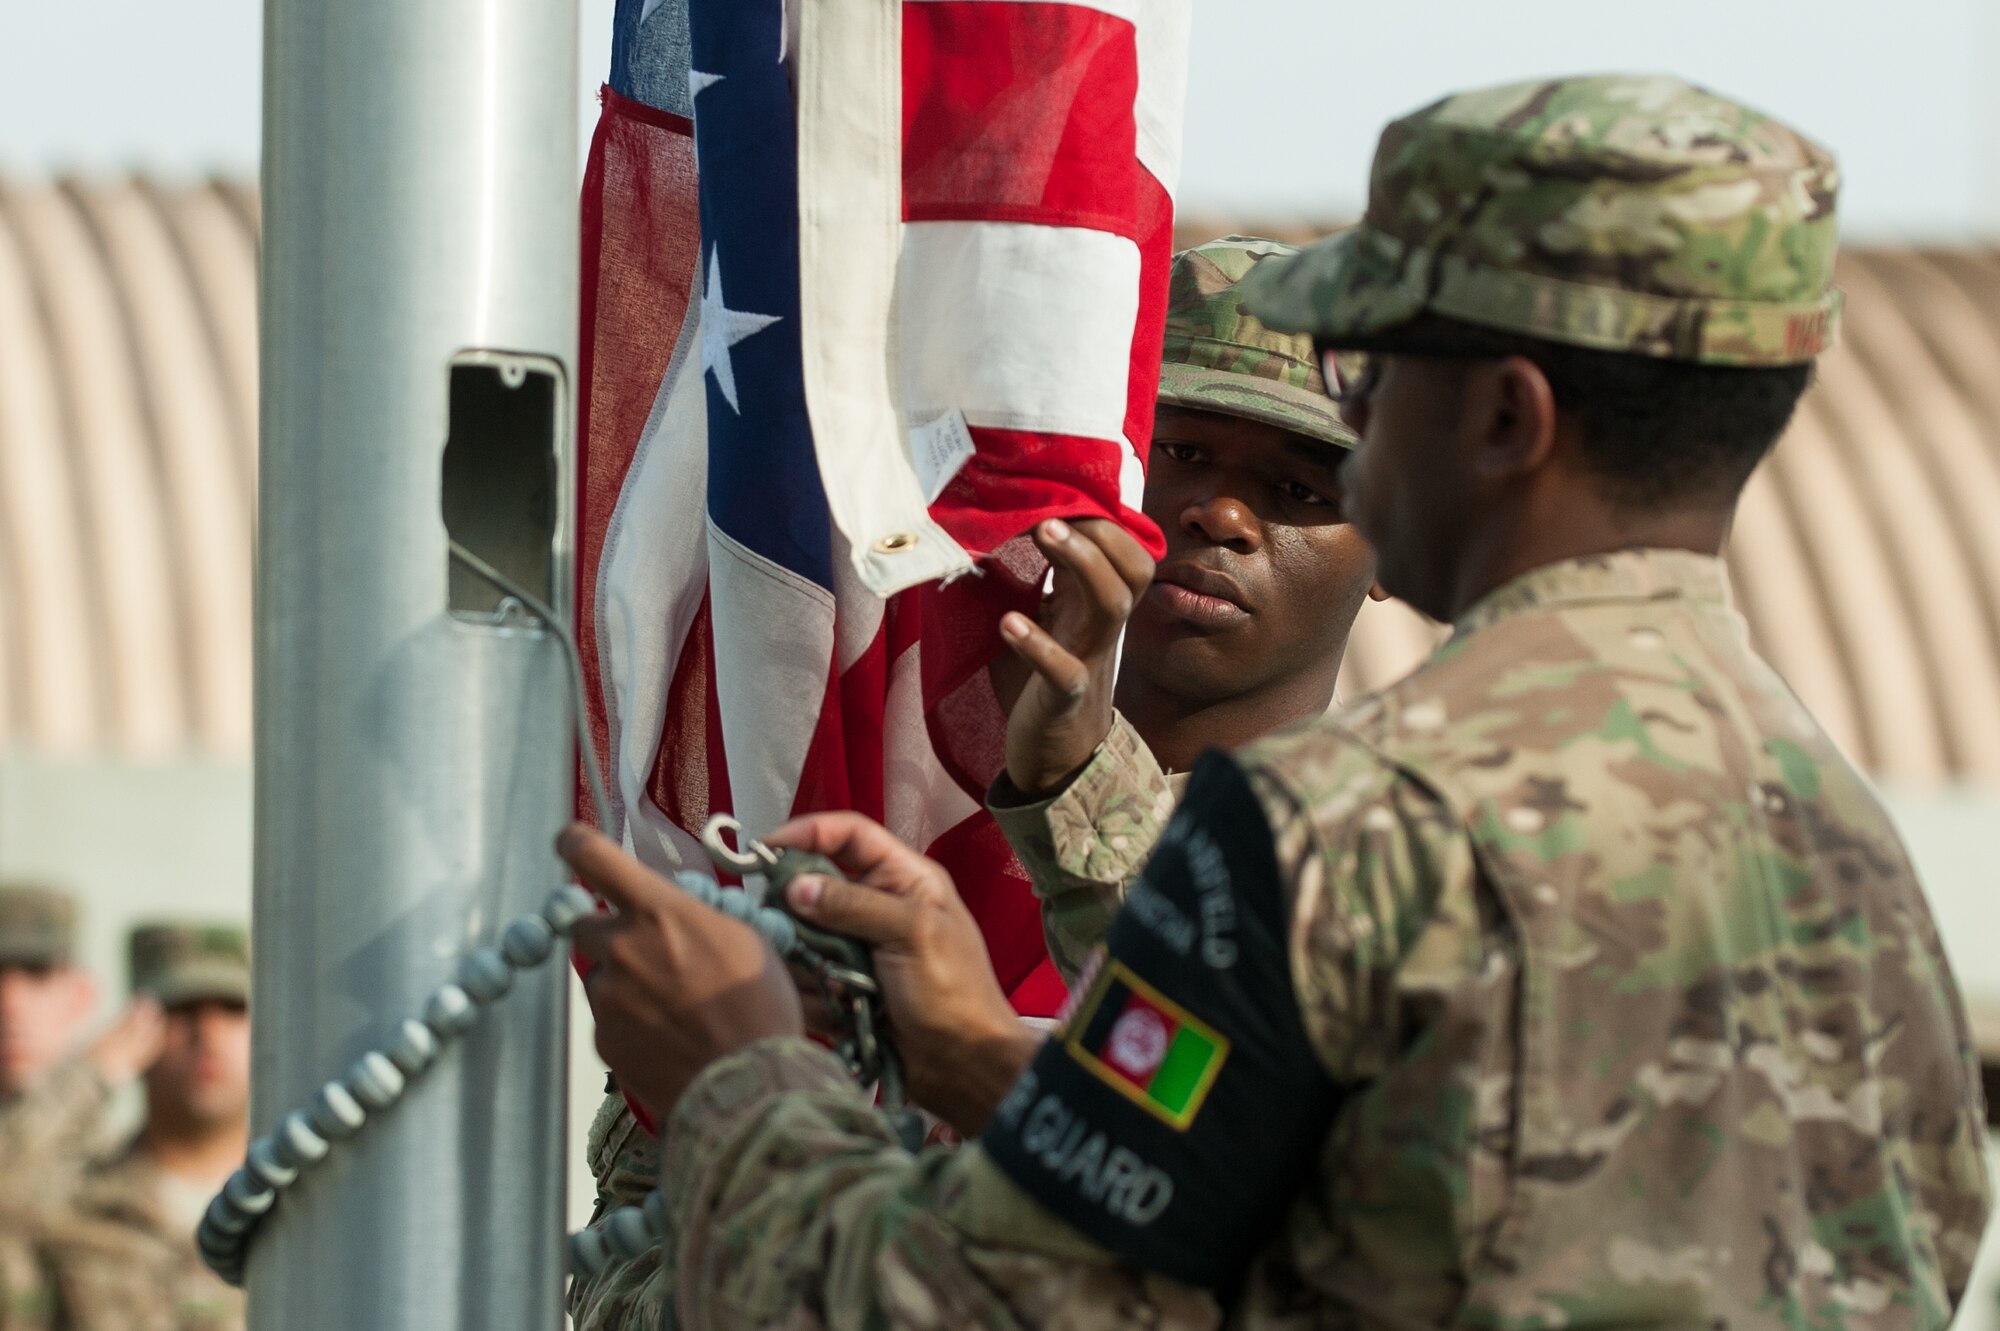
(1345, 372)
(1350, 374)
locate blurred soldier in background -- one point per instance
(53, 1096)
(124, 1257)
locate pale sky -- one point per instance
(1285, 98)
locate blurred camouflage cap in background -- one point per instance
(180, 962)
(1619, 212)
(37, 925)
(1219, 358)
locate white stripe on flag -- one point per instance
(1021, 327)
(773, 648)
(850, 226)
(858, 612)
(650, 579)
(921, 800)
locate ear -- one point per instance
(1517, 434)
(1377, 592)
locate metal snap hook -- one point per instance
(756, 858)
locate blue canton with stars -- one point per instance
(763, 477)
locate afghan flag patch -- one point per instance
(1145, 1046)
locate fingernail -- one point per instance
(1014, 625)
(805, 890)
(1056, 529)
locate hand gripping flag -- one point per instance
(910, 305)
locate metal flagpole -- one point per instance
(414, 746)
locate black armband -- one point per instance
(1179, 1107)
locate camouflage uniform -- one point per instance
(625, 1160)
(1217, 358)
(1084, 846)
(1631, 1009)
(123, 1254)
(124, 1257)
(48, 1132)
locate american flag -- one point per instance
(831, 379)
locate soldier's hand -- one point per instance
(131, 1043)
(673, 985)
(962, 1044)
(1057, 686)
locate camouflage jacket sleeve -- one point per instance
(1084, 847)
(53, 1125)
(625, 1160)
(791, 1204)
(1381, 877)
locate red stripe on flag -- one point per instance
(690, 777)
(843, 767)
(641, 240)
(996, 891)
(1021, 477)
(1020, 112)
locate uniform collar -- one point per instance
(1622, 575)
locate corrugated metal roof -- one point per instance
(1867, 555)
(127, 462)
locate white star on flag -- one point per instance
(699, 83)
(722, 328)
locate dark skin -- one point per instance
(1468, 477)
(1237, 633)
(1243, 628)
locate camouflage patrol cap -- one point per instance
(1621, 213)
(180, 962)
(1219, 358)
(37, 925)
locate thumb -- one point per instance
(867, 913)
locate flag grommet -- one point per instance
(896, 543)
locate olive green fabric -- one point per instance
(181, 962)
(37, 925)
(1217, 356)
(1621, 213)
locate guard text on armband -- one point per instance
(1083, 1159)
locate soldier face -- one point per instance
(1406, 488)
(42, 1011)
(1262, 575)
(202, 1077)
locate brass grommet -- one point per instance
(896, 542)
